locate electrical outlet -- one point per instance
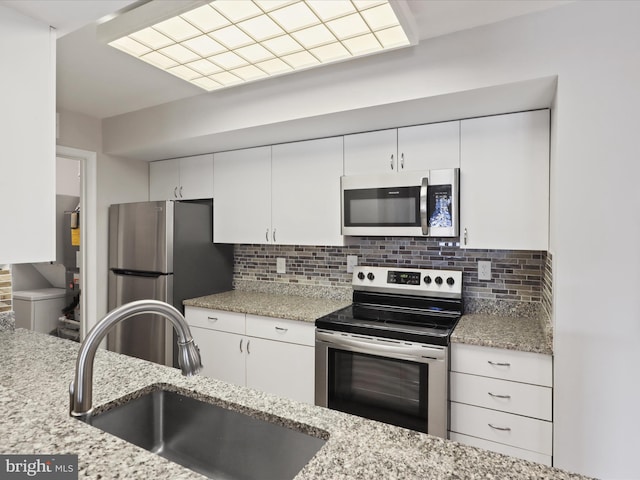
(484, 270)
(352, 261)
(281, 265)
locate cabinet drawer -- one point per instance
(513, 397)
(526, 367)
(500, 448)
(282, 330)
(231, 322)
(500, 427)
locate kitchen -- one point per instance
(588, 45)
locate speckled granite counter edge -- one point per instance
(356, 448)
(295, 289)
(274, 305)
(7, 321)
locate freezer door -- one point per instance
(141, 236)
(145, 336)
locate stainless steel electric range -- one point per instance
(386, 356)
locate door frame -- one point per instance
(88, 232)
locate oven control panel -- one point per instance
(409, 280)
(403, 278)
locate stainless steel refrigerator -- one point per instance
(163, 251)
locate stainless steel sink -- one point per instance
(214, 441)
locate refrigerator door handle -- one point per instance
(135, 273)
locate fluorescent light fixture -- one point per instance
(228, 42)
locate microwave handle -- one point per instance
(424, 188)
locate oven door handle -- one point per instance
(403, 350)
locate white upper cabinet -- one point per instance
(305, 192)
(285, 194)
(504, 184)
(429, 147)
(185, 178)
(27, 137)
(421, 147)
(242, 203)
(371, 152)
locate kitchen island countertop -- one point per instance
(37, 368)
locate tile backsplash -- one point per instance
(517, 276)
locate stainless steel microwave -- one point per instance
(422, 203)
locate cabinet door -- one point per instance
(223, 354)
(501, 448)
(27, 136)
(371, 152)
(242, 203)
(429, 147)
(305, 192)
(506, 428)
(284, 369)
(504, 185)
(164, 180)
(196, 177)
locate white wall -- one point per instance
(118, 181)
(593, 48)
(67, 177)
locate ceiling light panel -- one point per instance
(228, 42)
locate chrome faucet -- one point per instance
(80, 389)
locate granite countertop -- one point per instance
(36, 371)
(526, 334)
(292, 307)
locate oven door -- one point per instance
(391, 381)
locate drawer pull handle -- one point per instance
(213, 319)
(241, 340)
(248, 343)
(502, 429)
(281, 329)
(499, 396)
(498, 364)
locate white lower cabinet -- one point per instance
(501, 400)
(272, 355)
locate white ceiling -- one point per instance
(102, 82)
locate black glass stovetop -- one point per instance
(408, 318)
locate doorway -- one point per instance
(88, 280)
